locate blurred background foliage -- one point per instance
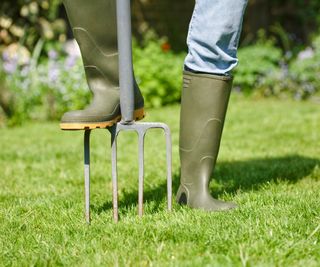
(41, 74)
(26, 21)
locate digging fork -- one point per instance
(127, 123)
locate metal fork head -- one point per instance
(141, 129)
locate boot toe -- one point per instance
(71, 116)
(208, 203)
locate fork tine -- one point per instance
(141, 129)
(114, 135)
(169, 167)
(141, 135)
(87, 174)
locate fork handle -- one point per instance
(125, 60)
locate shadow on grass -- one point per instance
(156, 195)
(229, 177)
(252, 174)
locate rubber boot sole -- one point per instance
(139, 114)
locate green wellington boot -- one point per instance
(203, 108)
(94, 27)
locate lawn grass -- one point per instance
(269, 164)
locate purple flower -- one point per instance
(53, 74)
(5, 56)
(72, 49)
(305, 54)
(70, 62)
(10, 66)
(53, 54)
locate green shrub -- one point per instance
(264, 70)
(297, 79)
(305, 71)
(158, 71)
(43, 91)
(255, 63)
(46, 89)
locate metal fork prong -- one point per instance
(114, 135)
(87, 174)
(141, 129)
(169, 166)
(141, 135)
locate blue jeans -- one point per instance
(213, 36)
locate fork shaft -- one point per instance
(125, 60)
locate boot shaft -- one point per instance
(203, 109)
(94, 27)
(98, 17)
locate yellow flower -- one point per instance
(5, 22)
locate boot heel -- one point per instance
(139, 114)
(182, 196)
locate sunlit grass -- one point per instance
(269, 164)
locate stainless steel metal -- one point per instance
(127, 109)
(87, 174)
(141, 129)
(125, 60)
(141, 171)
(112, 131)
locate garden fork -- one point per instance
(127, 123)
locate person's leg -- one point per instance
(94, 27)
(212, 40)
(213, 36)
